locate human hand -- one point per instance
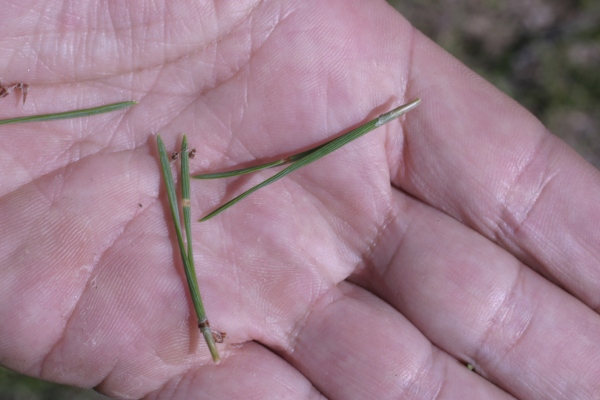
(465, 232)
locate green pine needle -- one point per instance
(242, 171)
(70, 114)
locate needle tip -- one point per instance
(396, 112)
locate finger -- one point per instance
(477, 155)
(480, 304)
(354, 346)
(249, 372)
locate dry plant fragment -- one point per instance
(6, 90)
(175, 155)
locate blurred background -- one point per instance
(543, 53)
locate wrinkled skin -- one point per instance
(462, 233)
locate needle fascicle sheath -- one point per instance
(302, 159)
(187, 255)
(86, 112)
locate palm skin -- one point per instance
(465, 232)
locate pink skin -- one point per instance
(464, 232)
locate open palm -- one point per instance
(463, 233)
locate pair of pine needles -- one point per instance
(296, 161)
(187, 253)
(304, 158)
